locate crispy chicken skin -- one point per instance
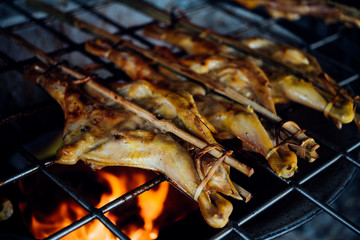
(243, 76)
(285, 54)
(228, 118)
(105, 136)
(287, 88)
(190, 43)
(233, 120)
(321, 95)
(177, 107)
(136, 68)
(292, 9)
(206, 57)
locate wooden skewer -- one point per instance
(163, 125)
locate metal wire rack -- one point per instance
(339, 149)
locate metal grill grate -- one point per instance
(339, 149)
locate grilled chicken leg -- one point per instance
(322, 94)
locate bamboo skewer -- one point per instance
(163, 125)
(207, 81)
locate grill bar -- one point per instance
(353, 227)
(72, 227)
(264, 206)
(131, 194)
(28, 112)
(83, 203)
(242, 233)
(94, 213)
(292, 185)
(324, 41)
(108, 207)
(72, 45)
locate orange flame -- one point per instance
(150, 203)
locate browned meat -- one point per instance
(322, 93)
(330, 11)
(106, 136)
(230, 119)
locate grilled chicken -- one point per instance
(243, 76)
(294, 9)
(102, 135)
(212, 59)
(229, 119)
(136, 68)
(190, 43)
(287, 87)
(285, 54)
(322, 94)
(177, 107)
(234, 121)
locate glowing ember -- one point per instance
(150, 205)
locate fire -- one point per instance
(64, 217)
(150, 206)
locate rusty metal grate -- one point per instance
(339, 149)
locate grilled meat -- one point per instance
(329, 11)
(229, 119)
(177, 107)
(234, 121)
(243, 76)
(102, 135)
(322, 93)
